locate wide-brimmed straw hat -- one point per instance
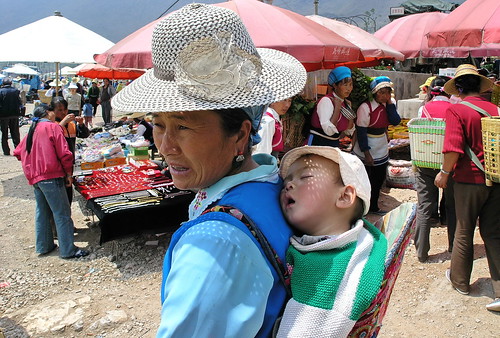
(204, 59)
(427, 82)
(136, 115)
(352, 170)
(467, 69)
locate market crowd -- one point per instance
(276, 243)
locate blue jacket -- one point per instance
(259, 201)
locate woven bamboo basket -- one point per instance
(292, 131)
(491, 145)
(42, 97)
(426, 142)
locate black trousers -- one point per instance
(377, 175)
(11, 124)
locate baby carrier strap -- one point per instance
(270, 253)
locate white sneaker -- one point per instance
(494, 305)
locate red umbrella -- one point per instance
(101, 72)
(269, 26)
(372, 48)
(408, 34)
(474, 26)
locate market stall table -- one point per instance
(129, 200)
(408, 109)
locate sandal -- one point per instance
(79, 253)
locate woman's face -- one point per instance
(343, 89)
(196, 149)
(60, 112)
(281, 107)
(383, 95)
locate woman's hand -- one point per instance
(67, 119)
(69, 180)
(368, 159)
(79, 120)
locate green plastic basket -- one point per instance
(426, 142)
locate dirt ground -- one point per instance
(114, 292)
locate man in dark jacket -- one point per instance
(10, 104)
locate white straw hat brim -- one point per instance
(282, 76)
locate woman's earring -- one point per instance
(240, 157)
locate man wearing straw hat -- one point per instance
(464, 156)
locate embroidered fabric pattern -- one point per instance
(200, 196)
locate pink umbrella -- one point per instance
(372, 48)
(269, 26)
(408, 35)
(134, 51)
(315, 46)
(474, 26)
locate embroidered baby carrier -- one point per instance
(271, 240)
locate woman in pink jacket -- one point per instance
(48, 164)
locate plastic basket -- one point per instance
(426, 142)
(491, 145)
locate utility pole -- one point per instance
(316, 2)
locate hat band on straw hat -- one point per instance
(214, 67)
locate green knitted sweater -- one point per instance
(333, 282)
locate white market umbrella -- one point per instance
(74, 43)
(67, 71)
(20, 69)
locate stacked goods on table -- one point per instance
(110, 148)
(491, 145)
(138, 150)
(400, 131)
(426, 142)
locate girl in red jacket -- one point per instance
(48, 165)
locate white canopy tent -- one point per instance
(75, 44)
(67, 71)
(20, 69)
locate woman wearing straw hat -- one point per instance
(208, 89)
(371, 146)
(464, 156)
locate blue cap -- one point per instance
(380, 82)
(338, 74)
